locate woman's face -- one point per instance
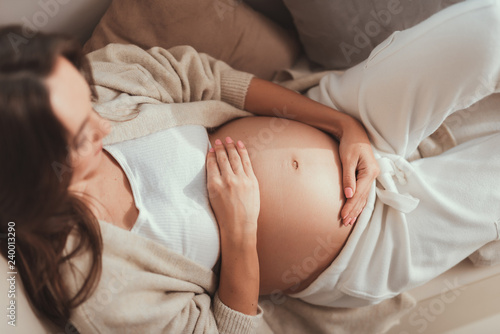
(70, 98)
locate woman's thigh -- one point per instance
(459, 192)
(417, 77)
(457, 213)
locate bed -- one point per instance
(464, 299)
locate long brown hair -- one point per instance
(34, 196)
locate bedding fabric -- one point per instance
(228, 30)
(338, 34)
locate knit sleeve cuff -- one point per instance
(232, 322)
(234, 87)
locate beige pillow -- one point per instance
(228, 30)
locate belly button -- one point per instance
(295, 164)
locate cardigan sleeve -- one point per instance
(230, 321)
(177, 75)
(146, 288)
(139, 311)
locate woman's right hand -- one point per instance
(234, 195)
(233, 189)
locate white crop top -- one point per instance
(166, 171)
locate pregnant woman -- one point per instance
(274, 184)
(129, 234)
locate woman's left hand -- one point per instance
(358, 162)
(359, 169)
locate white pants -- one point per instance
(422, 217)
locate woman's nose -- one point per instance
(103, 128)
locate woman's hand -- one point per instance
(234, 195)
(359, 169)
(358, 162)
(233, 188)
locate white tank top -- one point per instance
(167, 174)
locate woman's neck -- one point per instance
(109, 193)
(94, 179)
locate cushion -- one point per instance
(273, 9)
(338, 34)
(228, 30)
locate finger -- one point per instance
(353, 206)
(245, 158)
(234, 156)
(212, 166)
(349, 177)
(222, 158)
(357, 202)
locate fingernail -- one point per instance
(218, 142)
(240, 144)
(354, 220)
(229, 140)
(348, 221)
(212, 149)
(349, 192)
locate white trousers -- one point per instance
(422, 217)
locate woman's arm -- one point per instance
(234, 196)
(359, 166)
(239, 275)
(177, 75)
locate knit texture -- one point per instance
(146, 288)
(142, 92)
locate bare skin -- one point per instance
(300, 230)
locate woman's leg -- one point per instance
(457, 213)
(416, 78)
(480, 119)
(402, 93)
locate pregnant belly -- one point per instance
(299, 175)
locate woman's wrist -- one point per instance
(239, 276)
(336, 123)
(238, 240)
